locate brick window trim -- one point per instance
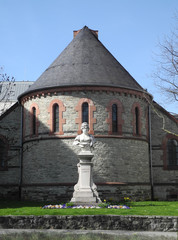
(164, 148)
(91, 110)
(120, 121)
(34, 105)
(133, 123)
(62, 121)
(4, 139)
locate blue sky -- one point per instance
(35, 32)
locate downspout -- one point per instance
(21, 154)
(150, 153)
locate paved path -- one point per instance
(168, 235)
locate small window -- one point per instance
(114, 118)
(34, 121)
(85, 109)
(137, 117)
(3, 155)
(56, 121)
(85, 112)
(172, 147)
(55, 118)
(137, 121)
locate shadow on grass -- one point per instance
(19, 204)
(148, 205)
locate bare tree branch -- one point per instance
(166, 73)
(6, 85)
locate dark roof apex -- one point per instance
(75, 32)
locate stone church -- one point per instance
(136, 153)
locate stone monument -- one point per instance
(85, 191)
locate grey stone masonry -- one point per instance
(70, 101)
(97, 222)
(50, 159)
(10, 130)
(165, 180)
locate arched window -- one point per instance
(3, 154)
(85, 109)
(85, 112)
(172, 150)
(56, 118)
(56, 121)
(34, 121)
(137, 116)
(137, 121)
(114, 118)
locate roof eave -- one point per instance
(80, 85)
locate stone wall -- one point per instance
(165, 180)
(97, 222)
(55, 193)
(50, 160)
(100, 101)
(55, 168)
(10, 129)
(55, 160)
(121, 162)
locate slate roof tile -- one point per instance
(85, 62)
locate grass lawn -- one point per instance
(160, 208)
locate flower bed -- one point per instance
(61, 206)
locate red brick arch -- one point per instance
(119, 116)
(34, 105)
(92, 120)
(61, 119)
(134, 106)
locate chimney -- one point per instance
(95, 32)
(76, 32)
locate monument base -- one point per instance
(85, 191)
(83, 197)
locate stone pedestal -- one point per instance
(85, 191)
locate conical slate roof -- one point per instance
(85, 62)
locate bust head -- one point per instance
(85, 127)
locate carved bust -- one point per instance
(85, 140)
